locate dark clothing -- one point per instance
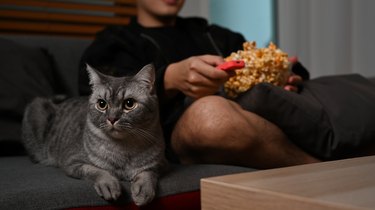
(124, 50)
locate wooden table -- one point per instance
(344, 184)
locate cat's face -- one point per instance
(125, 106)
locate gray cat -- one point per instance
(113, 135)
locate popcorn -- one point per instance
(269, 65)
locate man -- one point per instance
(185, 52)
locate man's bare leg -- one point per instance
(216, 130)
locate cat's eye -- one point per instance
(129, 104)
(101, 105)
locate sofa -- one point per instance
(331, 118)
(44, 66)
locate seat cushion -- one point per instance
(24, 185)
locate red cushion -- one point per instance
(183, 201)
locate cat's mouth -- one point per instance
(116, 132)
(114, 128)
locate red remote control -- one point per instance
(231, 65)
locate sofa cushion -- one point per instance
(25, 73)
(331, 118)
(24, 185)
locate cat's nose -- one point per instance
(112, 120)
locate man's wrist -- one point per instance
(169, 86)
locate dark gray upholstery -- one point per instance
(33, 66)
(64, 50)
(24, 185)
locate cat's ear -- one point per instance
(147, 74)
(94, 76)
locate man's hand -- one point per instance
(196, 76)
(293, 82)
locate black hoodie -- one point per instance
(124, 50)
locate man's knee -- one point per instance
(211, 124)
(202, 119)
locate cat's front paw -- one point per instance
(142, 192)
(143, 187)
(108, 187)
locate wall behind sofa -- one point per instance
(330, 37)
(252, 18)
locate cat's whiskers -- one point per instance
(147, 136)
(125, 126)
(103, 125)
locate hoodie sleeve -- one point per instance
(226, 40)
(95, 55)
(116, 52)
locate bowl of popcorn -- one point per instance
(270, 65)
